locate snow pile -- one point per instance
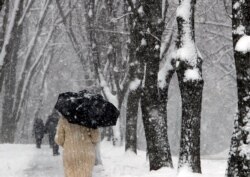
(236, 5)
(143, 42)
(141, 11)
(187, 52)
(134, 84)
(183, 10)
(239, 30)
(243, 44)
(192, 74)
(185, 172)
(111, 98)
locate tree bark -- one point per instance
(190, 88)
(148, 26)
(9, 124)
(239, 155)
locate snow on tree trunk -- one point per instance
(135, 76)
(148, 26)
(188, 67)
(9, 54)
(239, 155)
(134, 94)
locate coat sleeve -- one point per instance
(95, 135)
(60, 133)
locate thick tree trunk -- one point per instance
(239, 155)
(189, 74)
(148, 25)
(191, 94)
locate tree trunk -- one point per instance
(1, 4)
(239, 155)
(21, 92)
(189, 74)
(148, 26)
(131, 120)
(9, 124)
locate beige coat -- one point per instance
(78, 144)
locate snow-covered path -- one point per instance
(44, 164)
(27, 161)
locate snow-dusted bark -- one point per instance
(135, 76)
(188, 67)
(147, 28)
(239, 155)
(9, 55)
(165, 74)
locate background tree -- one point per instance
(12, 40)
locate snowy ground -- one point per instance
(27, 161)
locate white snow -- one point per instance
(141, 11)
(110, 49)
(188, 51)
(111, 98)
(236, 5)
(243, 44)
(157, 47)
(143, 42)
(163, 73)
(192, 74)
(134, 84)
(27, 161)
(239, 30)
(184, 10)
(90, 13)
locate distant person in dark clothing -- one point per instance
(38, 131)
(50, 128)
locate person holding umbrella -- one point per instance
(78, 144)
(77, 129)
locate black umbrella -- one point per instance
(87, 109)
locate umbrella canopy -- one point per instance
(87, 109)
